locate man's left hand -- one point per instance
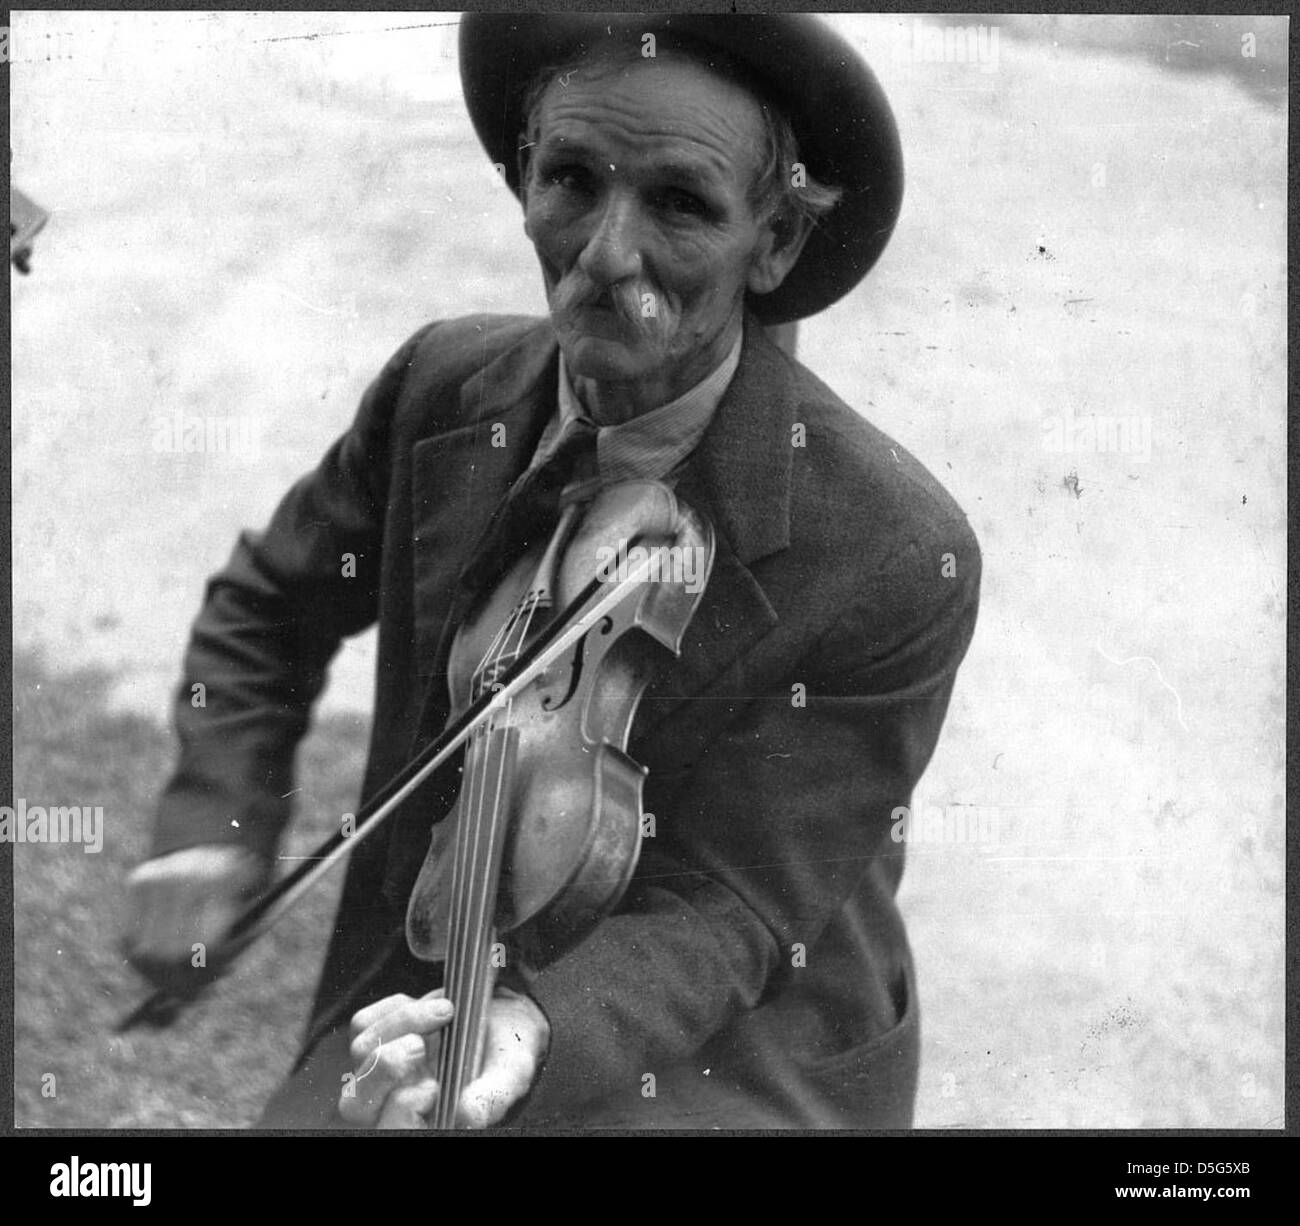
(394, 1045)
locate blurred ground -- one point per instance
(246, 229)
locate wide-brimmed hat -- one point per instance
(840, 116)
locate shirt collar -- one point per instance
(650, 445)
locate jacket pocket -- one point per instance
(873, 1083)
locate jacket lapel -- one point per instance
(460, 476)
(739, 477)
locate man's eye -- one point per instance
(682, 203)
(573, 178)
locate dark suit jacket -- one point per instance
(758, 967)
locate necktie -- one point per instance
(527, 515)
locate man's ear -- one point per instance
(780, 244)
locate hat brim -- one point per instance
(839, 114)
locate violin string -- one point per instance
(459, 939)
(466, 945)
(490, 829)
(469, 948)
(482, 916)
(476, 866)
(452, 968)
(477, 908)
(524, 626)
(452, 976)
(462, 947)
(492, 653)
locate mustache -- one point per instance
(638, 309)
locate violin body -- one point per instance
(553, 772)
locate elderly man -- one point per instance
(680, 195)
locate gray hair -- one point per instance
(774, 193)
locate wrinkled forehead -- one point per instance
(674, 95)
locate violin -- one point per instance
(545, 674)
(546, 829)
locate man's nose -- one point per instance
(612, 253)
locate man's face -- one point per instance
(637, 204)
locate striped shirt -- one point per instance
(651, 445)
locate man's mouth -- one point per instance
(609, 313)
(603, 319)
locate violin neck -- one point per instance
(460, 1058)
(473, 952)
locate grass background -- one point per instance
(251, 212)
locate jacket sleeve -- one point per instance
(780, 818)
(270, 623)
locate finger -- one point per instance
(363, 1097)
(487, 1100)
(411, 1017)
(196, 866)
(407, 1106)
(363, 1019)
(509, 1065)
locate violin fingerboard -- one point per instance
(472, 950)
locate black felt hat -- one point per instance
(840, 116)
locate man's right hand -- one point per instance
(180, 907)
